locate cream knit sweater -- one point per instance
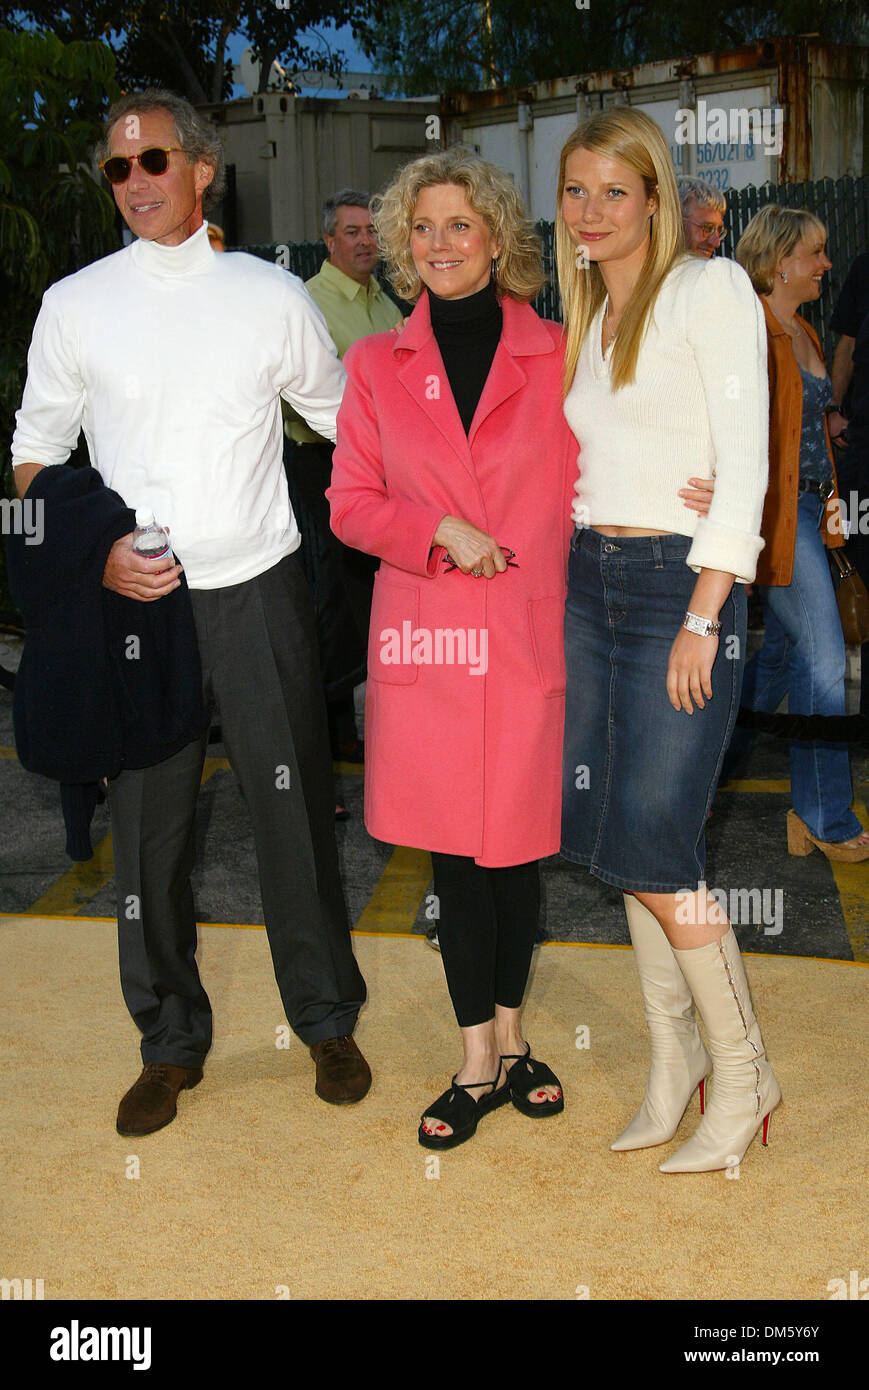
(699, 406)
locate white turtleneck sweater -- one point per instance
(172, 360)
(699, 405)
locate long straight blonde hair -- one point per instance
(635, 140)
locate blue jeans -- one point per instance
(803, 657)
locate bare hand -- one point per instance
(471, 548)
(698, 494)
(836, 424)
(135, 577)
(690, 671)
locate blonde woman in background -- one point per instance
(665, 376)
(803, 652)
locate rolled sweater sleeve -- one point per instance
(727, 334)
(48, 422)
(365, 514)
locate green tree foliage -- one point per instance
(429, 46)
(182, 44)
(54, 216)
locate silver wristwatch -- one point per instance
(704, 627)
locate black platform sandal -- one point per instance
(457, 1109)
(526, 1074)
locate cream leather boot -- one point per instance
(744, 1090)
(679, 1060)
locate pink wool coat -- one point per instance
(464, 710)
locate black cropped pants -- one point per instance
(487, 925)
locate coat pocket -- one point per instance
(546, 621)
(394, 619)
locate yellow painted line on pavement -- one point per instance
(212, 765)
(224, 765)
(396, 899)
(79, 884)
(771, 785)
(852, 881)
(416, 936)
(394, 904)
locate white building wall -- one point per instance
(724, 163)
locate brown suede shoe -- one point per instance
(343, 1075)
(151, 1102)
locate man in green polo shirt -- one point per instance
(345, 289)
(353, 305)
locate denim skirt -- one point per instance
(639, 776)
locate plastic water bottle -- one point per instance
(149, 539)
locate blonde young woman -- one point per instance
(665, 376)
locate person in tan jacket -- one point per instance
(803, 651)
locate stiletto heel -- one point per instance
(679, 1061)
(744, 1090)
(766, 1120)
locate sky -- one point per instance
(338, 39)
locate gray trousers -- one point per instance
(261, 676)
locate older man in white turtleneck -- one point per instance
(173, 361)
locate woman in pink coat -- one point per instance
(455, 465)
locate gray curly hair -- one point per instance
(195, 136)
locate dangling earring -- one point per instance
(495, 269)
(784, 275)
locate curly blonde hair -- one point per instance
(772, 234)
(492, 195)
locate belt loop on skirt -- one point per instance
(657, 552)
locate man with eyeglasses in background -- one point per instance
(174, 360)
(703, 209)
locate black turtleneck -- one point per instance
(467, 333)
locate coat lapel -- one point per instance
(523, 335)
(423, 375)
